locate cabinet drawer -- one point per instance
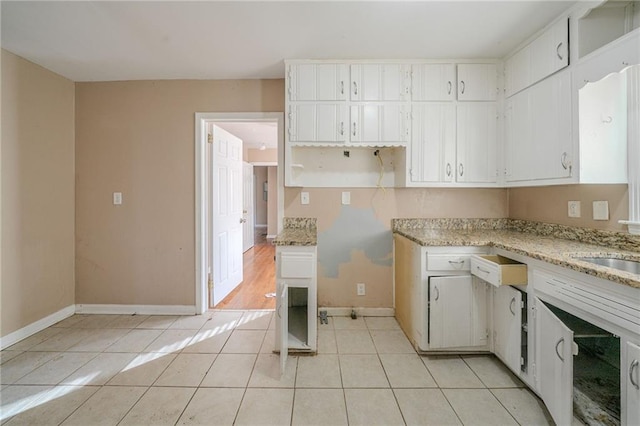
(297, 265)
(498, 270)
(448, 262)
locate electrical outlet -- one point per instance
(574, 208)
(117, 198)
(360, 289)
(346, 198)
(304, 198)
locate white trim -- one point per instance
(271, 236)
(260, 225)
(201, 118)
(136, 309)
(35, 327)
(362, 312)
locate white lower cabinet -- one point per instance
(631, 375)
(554, 364)
(296, 300)
(457, 312)
(507, 326)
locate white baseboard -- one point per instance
(35, 327)
(271, 236)
(362, 312)
(136, 309)
(258, 225)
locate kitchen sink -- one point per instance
(632, 266)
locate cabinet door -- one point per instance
(507, 322)
(318, 82)
(477, 82)
(317, 123)
(374, 123)
(518, 138)
(433, 139)
(517, 72)
(632, 374)
(550, 51)
(282, 310)
(457, 312)
(476, 142)
(379, 82)
(550, 116)
(554, 364)
(433, 82)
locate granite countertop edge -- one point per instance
(556, 251)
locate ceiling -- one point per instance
(121, 40)
(253, 134)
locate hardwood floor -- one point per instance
(259, 279)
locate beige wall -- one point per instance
(355, 242)
(137, 137)
(37, 193)
(272, 201)
(549, 204)
(261, 205)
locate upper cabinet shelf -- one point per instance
(606, 23)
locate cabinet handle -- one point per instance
(482, 270)
(462, 86)
(342, 87)
(437, 293)
(355, 88)
(456, 262)
(354, 128)
(633, 366)
(563, 160)
(449, 86)
(342, 128)
(513, 302)
(558, 51)
(448, 169)
(461, 169)
(558, 353)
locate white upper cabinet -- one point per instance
(538, 143)
(317, 123)
(477, 82)
(432, 150)
(476, 142)
(372, 123)
(318, 82)
(380, 82)
(433, 82)
(542, 57)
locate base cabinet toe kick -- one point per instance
(558, 330)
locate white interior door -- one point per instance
(225, 235)
(247, 211)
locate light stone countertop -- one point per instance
(557, 251)
(298, 231)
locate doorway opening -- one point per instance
(227, 194)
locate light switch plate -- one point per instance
(574, 208)
(346, 198)
(117, 198)
(304, 198)
(600, 210)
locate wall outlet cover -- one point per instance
(304, 198)
(600, 210)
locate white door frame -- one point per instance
(201, 301)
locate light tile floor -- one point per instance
(219, 369)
